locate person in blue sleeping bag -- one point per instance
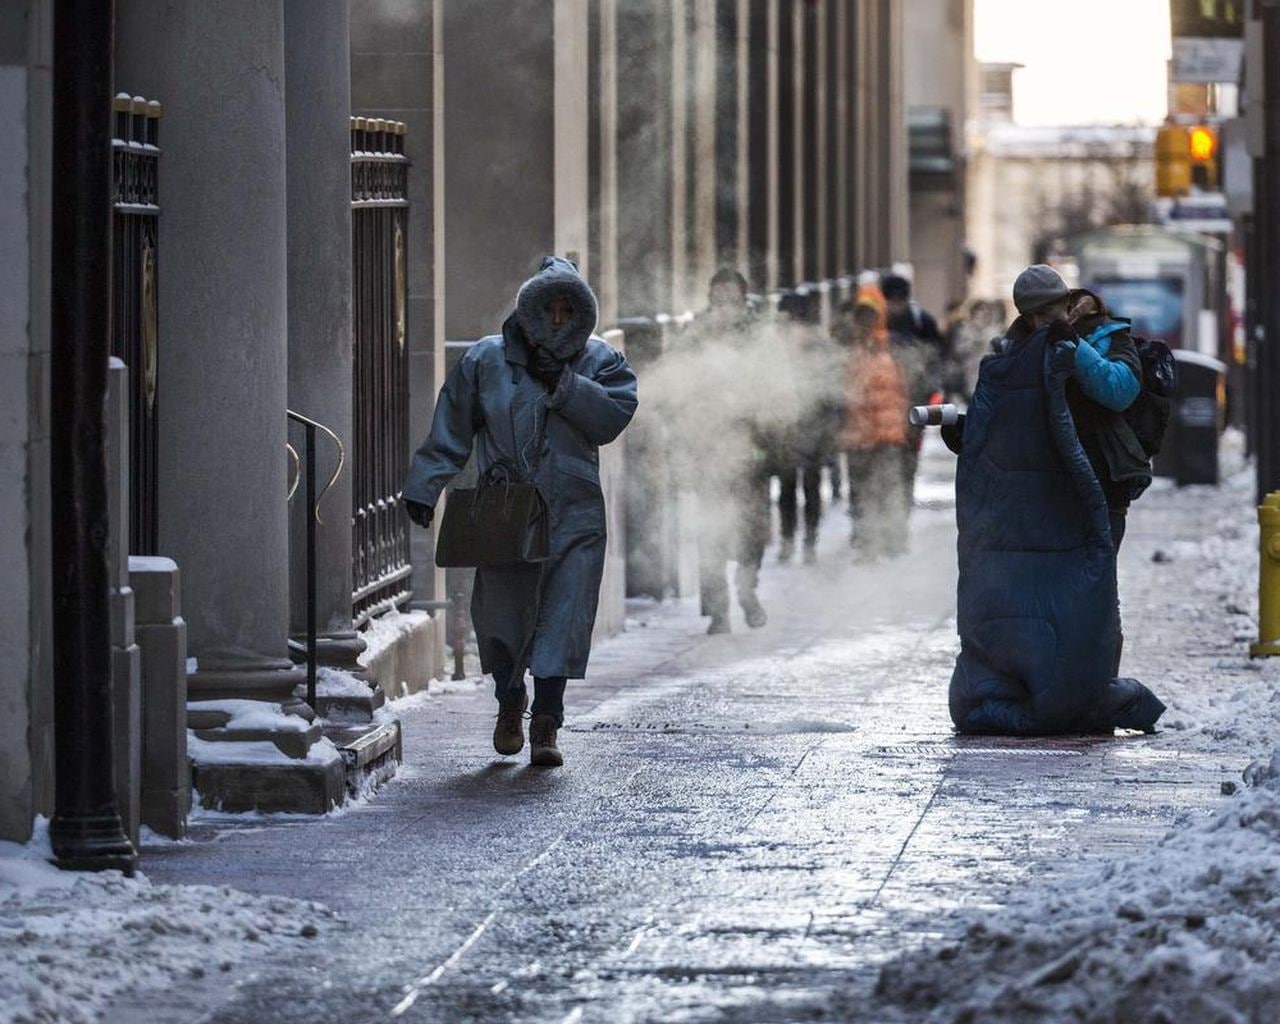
(1037, 608)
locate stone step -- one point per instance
(370, 753)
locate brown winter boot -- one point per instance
(508, 733)
(543, 751)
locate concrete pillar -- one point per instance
(790, 196)
(500, 123)
(223, 347)
(742, 135)
(798, 147)
(821, 268)
(605, 266)
(126, 678)
(317, 49)
(895, 194)
(644, 175)
(26, 685)
(679, 143)
(705, 165)
(762, 144)
(865, 133)
(162, 638)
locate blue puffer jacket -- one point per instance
(1037, 604)
(1110, 384)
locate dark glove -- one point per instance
(953, 435)
(1062, 357)
(419, 513)
(545, 367)
(1062, 330)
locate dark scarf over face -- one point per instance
(557, 278)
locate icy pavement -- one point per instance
(750, 827)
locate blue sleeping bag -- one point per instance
(1038, 614)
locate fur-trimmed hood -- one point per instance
(557, 277)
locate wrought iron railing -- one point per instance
(135, 334)
(379, 213)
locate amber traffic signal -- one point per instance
(1203, 144)
(1173, 161)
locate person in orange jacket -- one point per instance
(875, 436)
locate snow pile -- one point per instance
(1188, 931)
(252, 714)
(1195, 605)
(70, 943)
(334, 682)
(255, 715)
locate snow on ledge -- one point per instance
(386, 629)
(252, 714)
(256, 752)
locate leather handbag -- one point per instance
(500, 522)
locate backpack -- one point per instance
(1149, 414)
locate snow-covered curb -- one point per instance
(70, 943)
(1189, 931)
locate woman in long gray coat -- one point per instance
(539, 398)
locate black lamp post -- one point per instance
(86, 831)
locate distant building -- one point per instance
(1030, 186)
(941, 86)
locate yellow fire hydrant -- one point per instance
(1268, 644)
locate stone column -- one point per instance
(317, 50)
(219, 71)
(644, 177)
(26, 605)
(504, 208)
(838, 139)
(126, 678)
(761, 173)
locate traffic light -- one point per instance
(1173, 161)
(1202, 141)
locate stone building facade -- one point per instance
(652, 140)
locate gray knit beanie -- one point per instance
(1038, 286)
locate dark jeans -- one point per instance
(548, 695)
(1119, 520)
(794, 479)
(732, 528)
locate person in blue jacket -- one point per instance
(1037, 608)
(538, 400)
(1106, 381)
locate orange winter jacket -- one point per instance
(875, 386)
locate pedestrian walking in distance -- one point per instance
(536, 401)
(1037, 608)
(875, 433)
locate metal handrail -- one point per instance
(313, 517)
(311, 424)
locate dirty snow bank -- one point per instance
(70, 943)
(1188, 931)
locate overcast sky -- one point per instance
(1087, 61)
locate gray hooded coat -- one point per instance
(535, 617)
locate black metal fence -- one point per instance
(379, 215)
(135, 335)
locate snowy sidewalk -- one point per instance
(749, 827)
